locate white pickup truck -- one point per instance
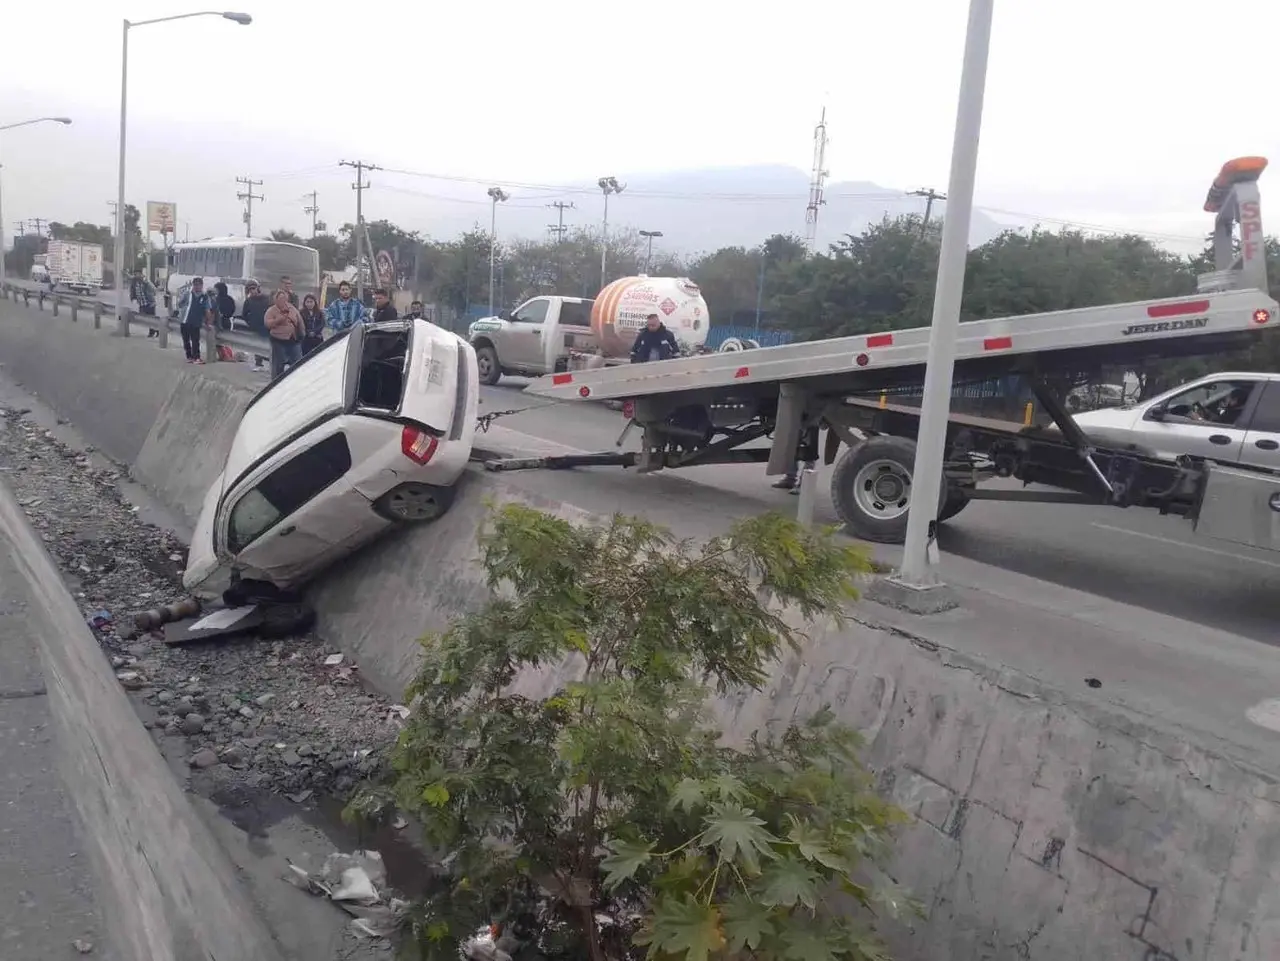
(534, 339)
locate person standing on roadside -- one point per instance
(286, 284)
(312, 324)
(416, 312)
(345, 312)
(225, 303)
(196, 310)
(255, 308)
(143, 293)
(284, 328)
(383, 308)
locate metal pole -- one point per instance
(927, 473)
(120, 245)
(493, 246)
(3, 262)
(648, 253)
(604, 238)
(359, 224)
(808, 497)
(760, 292)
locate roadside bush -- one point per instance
(610, 820)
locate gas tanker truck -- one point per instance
(545, 335)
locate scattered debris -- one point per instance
(352, 881)
(1093, 682)
(333, 660)
(82, 946)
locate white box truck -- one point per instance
(75, 265)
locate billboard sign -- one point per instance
(162, 218)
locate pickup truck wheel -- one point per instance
(487, 366)
(871, 488)
(414, 503)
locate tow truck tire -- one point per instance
(871, 489)
(487, 364)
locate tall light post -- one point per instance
(608, 185)
(917, 569)
(10, 126)
(760, 288)
(498, 196)
(241, 18)
(648, 235)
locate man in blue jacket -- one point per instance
(345, 312)
(655, 342)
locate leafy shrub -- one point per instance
(611, 820)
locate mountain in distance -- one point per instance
(702, 210)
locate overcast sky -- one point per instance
(1106, 113)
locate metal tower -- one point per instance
(816, 199)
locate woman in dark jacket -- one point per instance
(312, 324)
(225, 304)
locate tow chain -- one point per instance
(484, 421)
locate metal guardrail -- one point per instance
(39, 297)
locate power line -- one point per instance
(248, 197)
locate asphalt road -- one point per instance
(1133, 556)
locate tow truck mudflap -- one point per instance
(1240, 507)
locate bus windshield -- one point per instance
(273, 261)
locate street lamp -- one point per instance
(241, 18)
(607, 185)
(10, 126)
(648, 235)
(498, 196)
(917, 568)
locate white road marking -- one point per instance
(1265, 714)
(1193, 547)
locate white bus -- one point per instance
(237, 260)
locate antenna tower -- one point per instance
(816, 185)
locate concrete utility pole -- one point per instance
(918, 561)
(248, 197)
(40, 224)
(930, 196)
(559, 229)
(360, 186)
(607, 185)
(313, 209)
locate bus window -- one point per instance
(235, 263)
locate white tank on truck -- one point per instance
(549, 334)
(620, 310)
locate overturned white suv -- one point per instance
(372, 429)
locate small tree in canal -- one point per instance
(609, 820)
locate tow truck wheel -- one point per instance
(871, 489)
(414, 503)
(487, 366)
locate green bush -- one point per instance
(610, 820)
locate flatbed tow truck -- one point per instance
(712, 409)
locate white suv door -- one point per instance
(288, 518)
(1203, 419)
(525, 335)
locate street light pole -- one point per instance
(608, 185)
(241, 18)
(497, 195)
(10, 126)
(648, 252)
(917, 569)
(760, 290)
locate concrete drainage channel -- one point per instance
(265, 737)
(1046, 826)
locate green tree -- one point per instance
(615, 797)
(135, 254)
(287, 237)
(84, 232)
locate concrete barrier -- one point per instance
(168, 890)
(1047, 826)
